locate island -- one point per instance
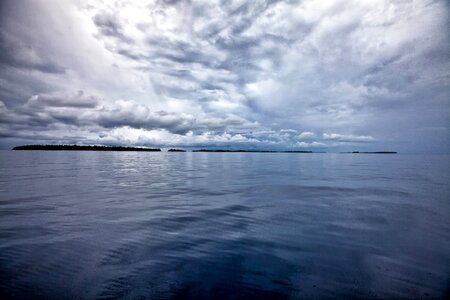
(83, 148)
(371, 152)
(141, 149)
(250, 151)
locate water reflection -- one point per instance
(223, 225)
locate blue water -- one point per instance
(107, 225)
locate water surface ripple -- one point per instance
(108, 225)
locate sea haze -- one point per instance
(104, 225)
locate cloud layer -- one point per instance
(285, 74)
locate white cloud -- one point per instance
(376, 68)
(306, 135)
(347, 137)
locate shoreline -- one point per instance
(82, 148)
(138, 149)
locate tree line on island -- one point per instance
(140, 149)
(84, 148)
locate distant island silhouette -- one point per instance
(83, 148)
(121, 148)
(374, 152)
(251, 151)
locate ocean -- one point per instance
(130, 225)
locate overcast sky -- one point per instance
(320, 75)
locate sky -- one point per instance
(289, 75)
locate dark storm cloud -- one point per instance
(25, 57)
(78, 100)
(121, 116)
(20, 53)
(110, 25)
(239, 58)
(43, 116)
(287, 73)
(79, 109)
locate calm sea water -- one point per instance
(106, 225)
